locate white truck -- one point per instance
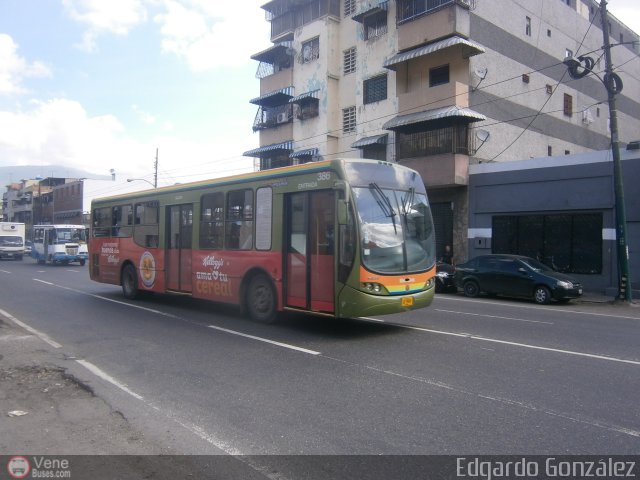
(12, 240)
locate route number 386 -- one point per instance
(324, 176)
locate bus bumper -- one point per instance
(64, 258)
(355, 303)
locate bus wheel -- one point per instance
(261, 299)
(129, 282)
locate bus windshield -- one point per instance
(396, 229)
(66, 235)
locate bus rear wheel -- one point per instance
(261, 300)
(129, 282)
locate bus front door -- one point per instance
(309, 251)
(178, 255)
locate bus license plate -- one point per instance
(407, 302)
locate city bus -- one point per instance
(60, 244)
(343, 238)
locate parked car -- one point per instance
(515, 276)
(445, 278)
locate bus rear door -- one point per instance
(178, 253)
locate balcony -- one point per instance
(441, 171)
(431, 20)
(438, 148)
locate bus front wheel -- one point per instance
(261, 299)
(129, 282)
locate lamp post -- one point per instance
(613, 84)
(141, 180)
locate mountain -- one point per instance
(14, 174)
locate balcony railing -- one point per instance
(454, 139)
(407, 10)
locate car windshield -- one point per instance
(536, 265)
(396, 229)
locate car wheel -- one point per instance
(82, 263)
(542, 295)
(261, 299)
(471, 288)
(129, 282)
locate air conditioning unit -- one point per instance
(283, 117)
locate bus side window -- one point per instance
(102, 222)
(239, 220)
(146, 226)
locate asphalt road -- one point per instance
(482, 376)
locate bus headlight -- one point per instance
(373, 287)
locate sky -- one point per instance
(103, 84)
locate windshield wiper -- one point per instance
(384, 203)
(407, 201)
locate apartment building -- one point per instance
(438, 85)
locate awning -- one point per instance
(469, 50)
(463, 115)
(371, 10)
(305, 97)
(373, 140)
(272, 99)
(272, 54)
(307, 152)
(266, 150)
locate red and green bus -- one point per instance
(344, 238)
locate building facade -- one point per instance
(560, 210)
(437, 85)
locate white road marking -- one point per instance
(272, 342)
(42, 336)
(260, 339)
(5, 271)
(536, 307)
(523, 345)
(119, 302)
(105, 376)
(371, 319)
(515, 403)
(492, 316)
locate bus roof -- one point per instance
(244, 177)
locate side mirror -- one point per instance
(522, 270)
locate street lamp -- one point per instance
(613, 83)
(141, 180)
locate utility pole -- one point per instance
(624, 279)
(155, 168)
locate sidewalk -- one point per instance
(46, 412)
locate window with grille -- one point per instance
(349, 7)
(375, 89)
(310, 50)
(349, 62)
(570, 243)
(375, 25)
(349, 119)
(438, 75)
(568, 105)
